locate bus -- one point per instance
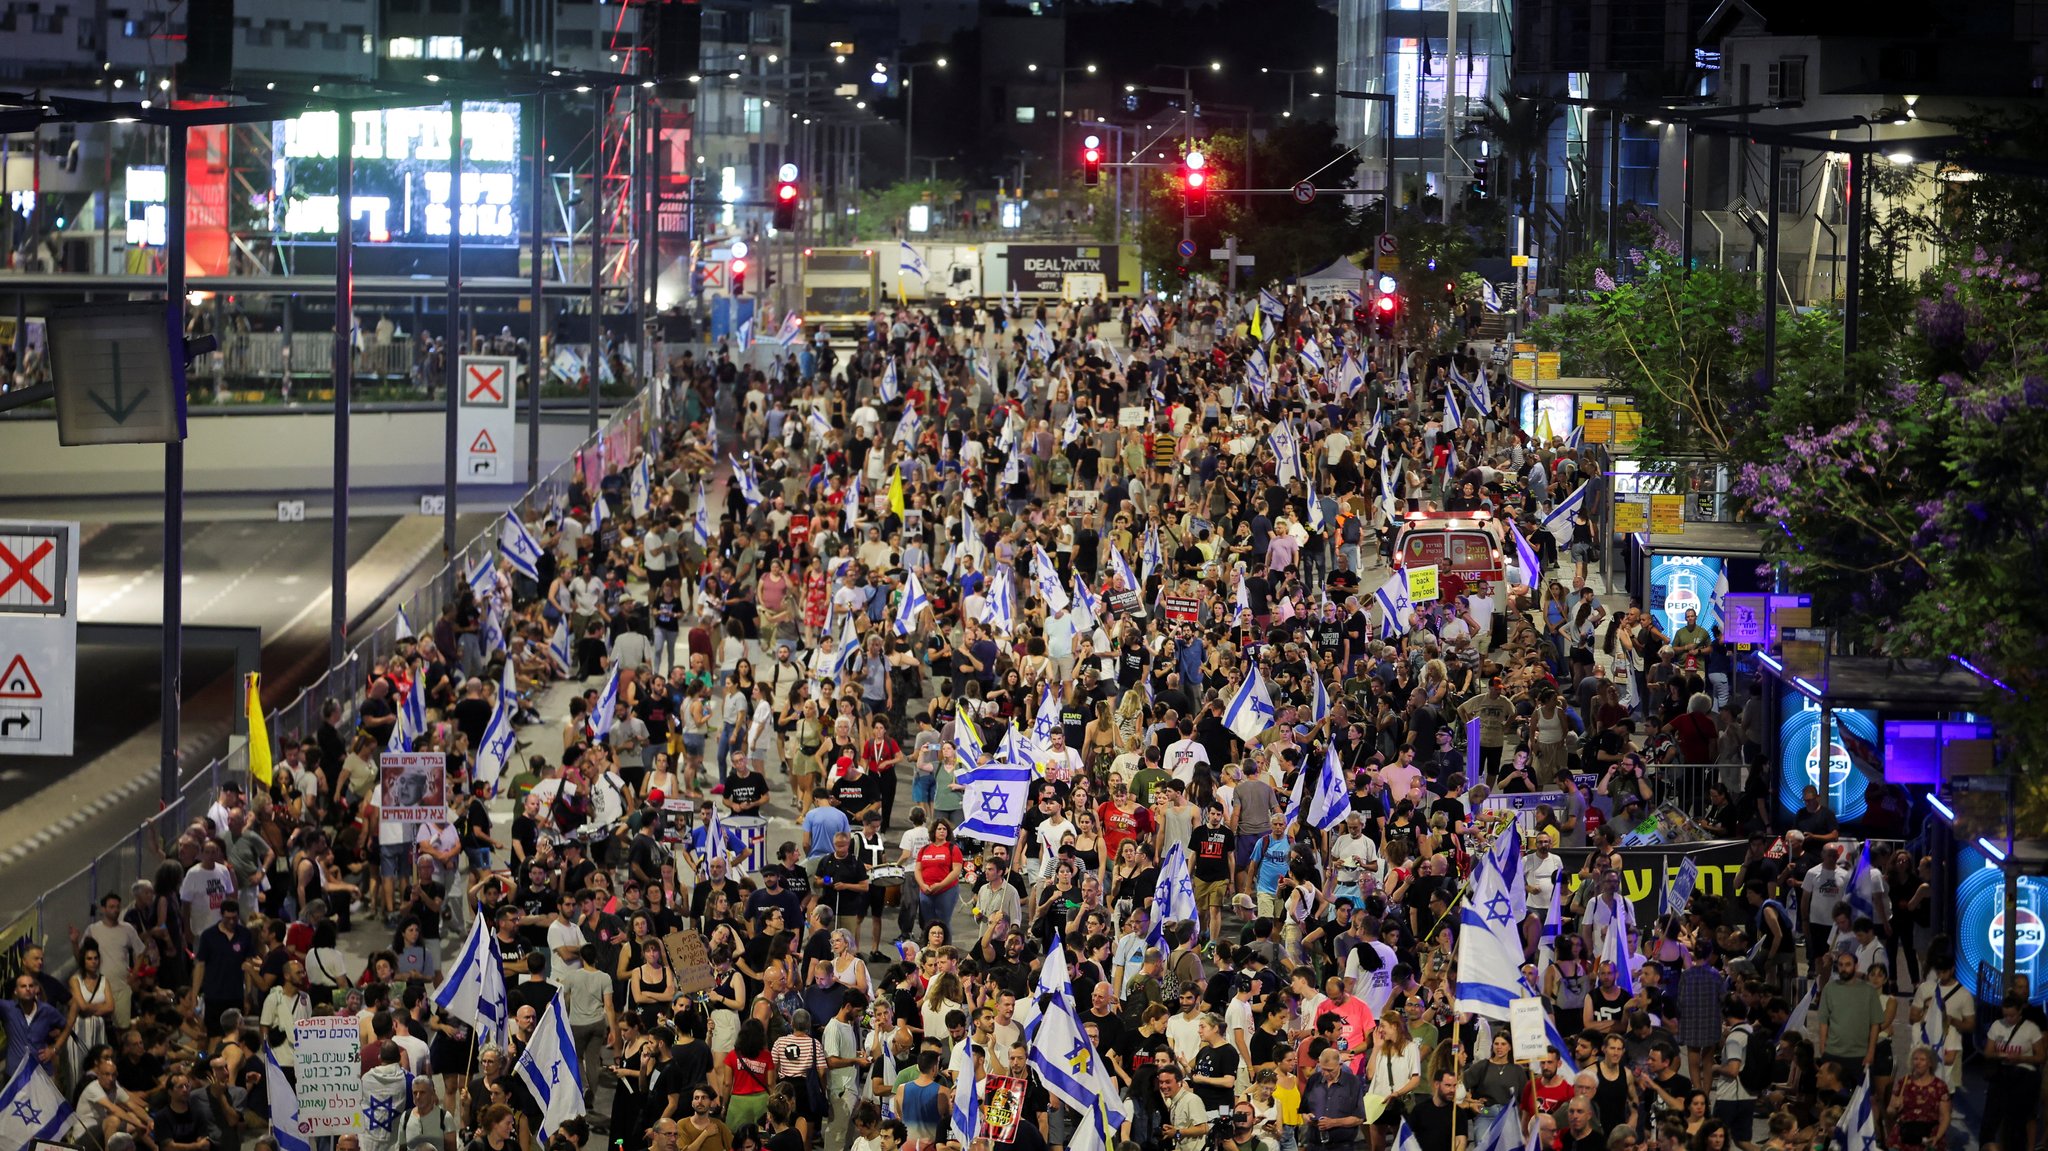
(842, 288)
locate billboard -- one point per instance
(1679, 583)
(402, 188)
(1042, 269)
(1980, 915)
(1799, 759)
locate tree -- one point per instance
(1522, 129)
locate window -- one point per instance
(1026, 114)
(1787, 79)
(1791, 179)
(753, 115)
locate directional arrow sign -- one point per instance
(117, 379)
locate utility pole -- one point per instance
(1450, 108)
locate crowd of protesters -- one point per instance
(746, 595)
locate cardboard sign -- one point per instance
(1525, 1028)
(1422, 584)
(1124, 602)
(1133, 417)
(330, 1078)
(1181, 608)
(689, 961)
(1002, 1104)
(414, 786)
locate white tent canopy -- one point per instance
(1339, 277)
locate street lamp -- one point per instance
(1291, 73)
(910, 104)
(1060, 126)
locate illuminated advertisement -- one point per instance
(1980, 912)
(1799, 760)
(1549, 414)
(1686, 583)
(402, 192)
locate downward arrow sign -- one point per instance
(120, 409)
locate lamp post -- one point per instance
(1059, 144)
(910, 105)
(1291, 73)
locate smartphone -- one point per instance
(826, 880)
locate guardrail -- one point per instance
(142, 852)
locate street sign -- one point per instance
(1219, 253)
(291, 511)
(1387, 244)
(485, 419)
(38, 636)
(433, 505)
(1186, 249)
(1304, 192)
(116, 377)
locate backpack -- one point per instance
(1756, 1074)
(1060, 469)
(1349, 528)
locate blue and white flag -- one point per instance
(518, 547)
(605, 711)
(914, 602)
(1332, 800)
(968, 751)
(1151, 556)
(1489, 296)
(1251, 709)
(1506, 1132)
(402, 628)
(1055, 981)
(987, 375)
(1046, 723)
(1553, 930)
(494, 751)
(1047, 577)
(1506, 853)
(999, 606)
(1148, 316)
(750, 488)
(1256, 369)
(890, 388)
(1350, 377)
(562, 646)
(908, 260)
(1241, 608)
(548, 1067)
(1286, 453)
(1453, 418)
(1319, 696)
(32, 1108)
(1270, 304)
(992, 808)
(1394, 605)
(906, 428)
(1070, 428)
(1489, 976)
(1857, 893)
(1086, 606)
(1577, 434)
(966, 1093)
(284, 1106)
(1122, 570)
(848, 647)
(791, 331)
(1525, 556)
(1617, 953)
(599, 512)
(1312, 356)
(746, 333)
(1559, 522)
(474, 991)
(412, 719)
(1679, 893)
(1173, 899)
(1073, 1071)
(1856, 1130)
(819, 424)
(1405, 1140)
(640, 490)
(700, 523)
(480, 575)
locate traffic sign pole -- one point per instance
(171, 673)
(456, 346)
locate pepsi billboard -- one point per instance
(1981, 919)
(1800, 761)
(1679, 583)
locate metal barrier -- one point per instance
(70, 904)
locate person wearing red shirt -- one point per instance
(1549, 1090)
(1122, 819)
(939, 866)
(880, 755)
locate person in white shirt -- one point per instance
(1943, 1011)
(1353, 856)
(1183, 755)
(206, 888)
(563, 935)
(1541, 871)
(1183, 1030)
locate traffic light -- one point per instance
(1479, 171)
(739, 276)
(1386, 311)
(1194, 181)
(786, 196)
(768, 280)
(1091, 160)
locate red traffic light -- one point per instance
(1197, 179)
(1091, 156)
(739, 266)
(785, 192)
(1385, 304)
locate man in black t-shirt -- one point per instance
(1209, 864)
(843, 880)
(746, 789)
(857, 792)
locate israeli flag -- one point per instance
(1055, 982)
(849, 646)
(907, 260)
(1149, 317)
(1151, 556)
(819, 423)
(474, 991)
(1319, 707)
(1122, 570)
(1861, 906)
(1506, 1132)
(1286, 462)
(791, 331)
(1453, 418)
(518, 547)
(284, 1106)
(1617, 954)
(1506, 853)
(562, 647)
(548, 1067)
(1173, 900)
(1553, 930)
(1856, 1130)
(480, 575)
(700, 523)
(985, 373)
(914, 602)
(492, 635)
(599, 512)
(1255, 366)
(1048, 579)
(966, 1093)
(1405, 1140)
(1315, 505)
(906, 428)
(998, 607)
(1070, 429)
(1525, 556)
(1073, 1071)
(32, 1108)
(640, 490)
(992, 809)
(1046, 723)
(746, 333)
(402, 628)
(1241, 611)
(1312, 356)
(1332, 801)
(1394, 605)
(494, 751)
(1489, 974)
(1350, 377)
(968, 751)
(1796, 1021)
(605, 710)
(890, 388)
(1489, 296)
(1087, 608)
(1559, 522)
(1679, 893)
(1251, 709)
(750, 488)
(1578, 433)
(1270, 304)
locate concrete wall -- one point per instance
(258, 454)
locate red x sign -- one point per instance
(484, 382)
(21, 570)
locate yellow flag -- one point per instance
(1256, 333)
(896, 501)
(259, 736)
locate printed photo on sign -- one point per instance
(414, 787)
